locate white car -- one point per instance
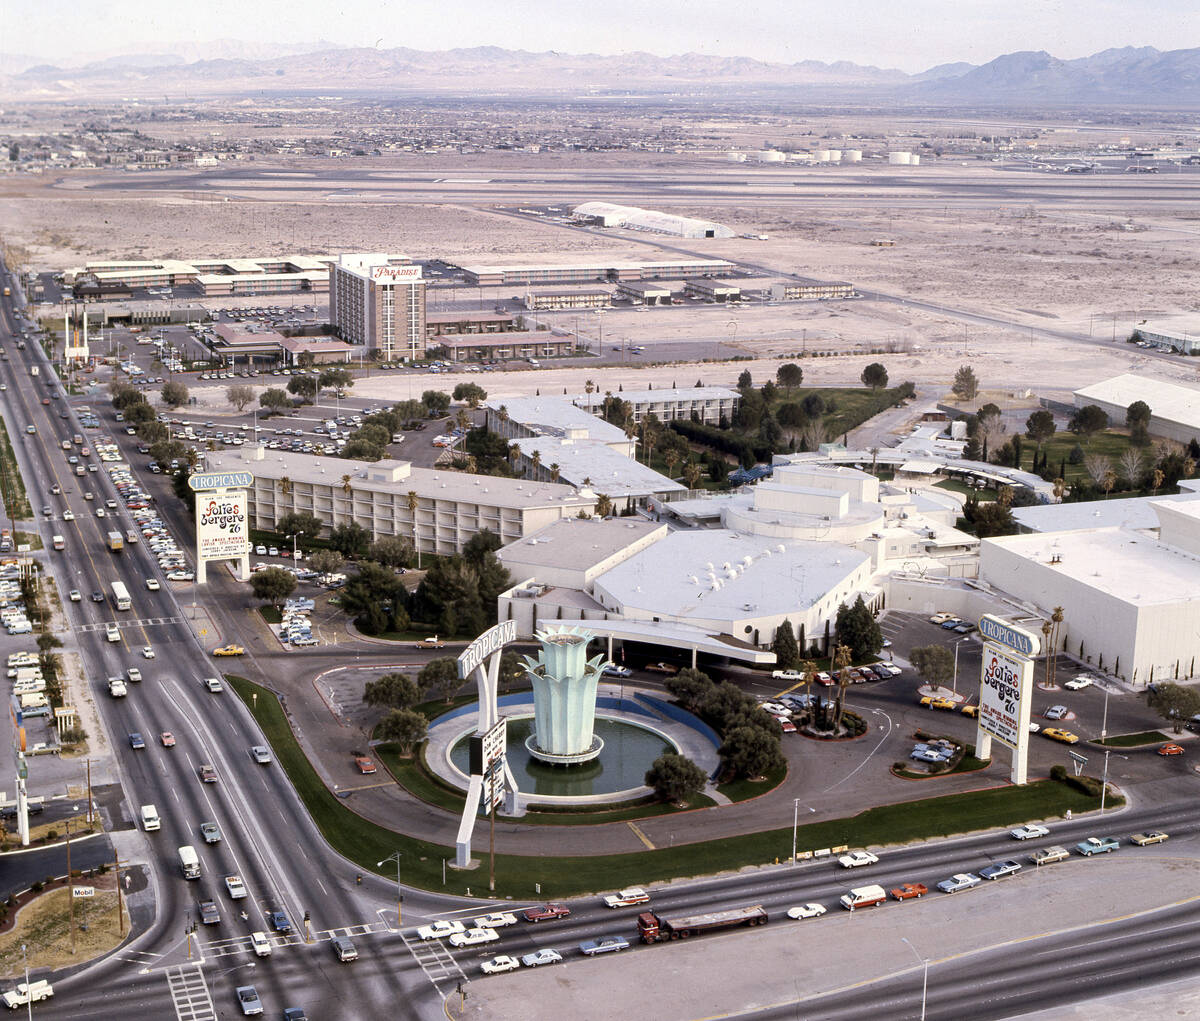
(473, 937)
(1029, 832)
(152, 584)
(787, 675)
(134, 674)
(499, 965)
(1079, 682)
(147, 652)
(856, 859)
(440, 929)
(806, 911)
(496, 920)
(627, 898)
(543, 956)
(235, 886)
(76, 595)
(260, 944)
(68, 515)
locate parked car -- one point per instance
(1079, 682)
(603, 945)
(499, 965)
(1049, 855)
(662, 668)
(806, 911)
(909, 891)
(612, 670)
(958, 882)
(1097, 845)
(1148, 837)
(1057, 712)
(1000, 869)
(539, 957)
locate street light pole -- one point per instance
(925, 974)
(28, 998)
(795, 825)
(956, 645)
(1104, 782)
(399, 895)
(294, 538)
(1104, 722)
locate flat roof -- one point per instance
(610, 471)
(672, 577)
(554, 415)
(1129, 566)
(317, 345)
(240, 336)
(1136, 513)
(579, 543)
(434, 484)
(471, 317)
(682, 393)
(599, 265)
(1168, 401)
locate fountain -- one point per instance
(564, 698)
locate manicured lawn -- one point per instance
(270, 614)
(365, 843)
(1134, 740)
(744, 790)
(12, 486)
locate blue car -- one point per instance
(280, 922)
(603, 945)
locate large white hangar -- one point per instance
(606, 214)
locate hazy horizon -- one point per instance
(922, 34)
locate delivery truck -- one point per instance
(654, 928)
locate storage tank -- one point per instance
(899, 159)
(835, 155)
(736, 157)
(771, 156)
(821, 155)
(914, 160)
(852, 156)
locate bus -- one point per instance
(121, 595)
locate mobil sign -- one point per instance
(395, 274)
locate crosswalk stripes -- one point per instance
(241, 944)
(189, 994)
(435, 960)
(141, 622)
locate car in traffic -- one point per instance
(207, 773)
(1079, 682)
(970, 710)
(1058, 734)
(937, 702)
(496, 920)
(499, 965)
(662, 668)
(1097, 845)
(235, 886)
(261, 754)
(440, 929)
(612, 670)
(1170, 748)
(147, 652)
(260, 943)
(473, 937)
(97, 596)
(167, 739)
(1029, 831)
(210, 914)
(806, 911)
(211, 832)
(249, 1001)
(214, 684)
(909, 891)
(958, 882)
(344, 949)
(539, 957)
(229, 650)
(280, 922)
(1148, 837)
(364, 764)
(1049, 855)
(134, 674)
(152, 584)
(627, 898)
(294, 1014)
(1000, 869)
(857, 859)
(76, 595)
(1057, 712)
(603, 945)
(137, 741)
(546, 912)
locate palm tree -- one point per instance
(671, 457)
(841, 663)
(604, 506)
(1057, 618)
(285, 485)
(346, 485)
(589, 388)
(535, 460)
(412, 509)
(692, 472)
(554, 472)
(502, 412)
(514, 453)
(462, 419)
(809, 669)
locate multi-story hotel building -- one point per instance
(378, 301)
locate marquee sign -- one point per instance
(1019, 640)
(1005, 691)
(205, 481)
(492, 640)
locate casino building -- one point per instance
(378, 301)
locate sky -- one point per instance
(908, 34)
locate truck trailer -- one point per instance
(653, 928)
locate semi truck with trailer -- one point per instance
(655, 928)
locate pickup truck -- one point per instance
(1097, 845)
(210, 914)
(235, 886)
(116, 687)
(960, 881)
(24, 994)
(1049, 855)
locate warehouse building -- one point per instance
(451, 506)
(503, 347)
(377, 301)
(643, 293)
(606, 214)
(1175, 409)
(1132, 599)
(532, 274)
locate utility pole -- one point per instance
(120, 899)
(71, 885)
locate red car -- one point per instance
(1171, 749)
(909, 891)
(364, 764)
(547, 913)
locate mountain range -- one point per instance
(1130, 75)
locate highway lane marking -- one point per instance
(869, 754)
(641, 836)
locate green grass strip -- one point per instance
(365, 843)
(1134, 740)
(12, 486)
